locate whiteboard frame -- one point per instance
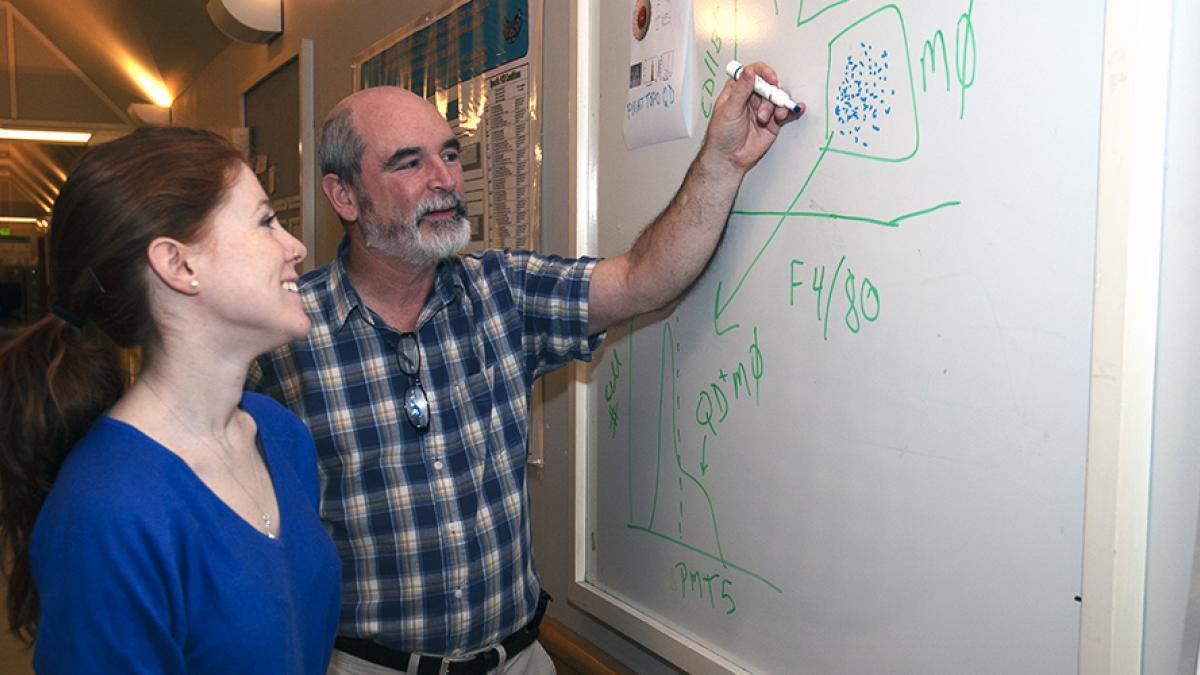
(1133, 131)
(1124, 334)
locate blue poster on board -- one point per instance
(476, 37)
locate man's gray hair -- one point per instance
(340, 148)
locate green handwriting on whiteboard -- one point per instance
(693, 584)
(860, 296)
(712, 403)
(871, 111)
(720, 306)
(610, 392)
(713, 67)
(871, 114)
(692, 526)
(964, 57)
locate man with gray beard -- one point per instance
(416, 376)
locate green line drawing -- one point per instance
(718, 308)
(669, 347)
(629, 428)
(884, 222)
(866, 117)
(772, 585)
(668, 427)
(862, 103)
(662, 390)
(866, 94)
(801, 19)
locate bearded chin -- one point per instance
(409, 243)
(445, 240)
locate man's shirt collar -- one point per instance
(448, 287)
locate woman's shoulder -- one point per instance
(115, 482)
(115, 456)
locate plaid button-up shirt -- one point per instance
(433, 527)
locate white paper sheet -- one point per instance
(659, 106)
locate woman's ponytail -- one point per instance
(55, 380)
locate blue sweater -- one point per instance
(140, 568)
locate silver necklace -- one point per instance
(266, 515)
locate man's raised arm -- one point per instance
(672, 251)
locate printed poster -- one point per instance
(659, 105)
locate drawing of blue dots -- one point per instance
(863, 101)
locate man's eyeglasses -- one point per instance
(416, 403)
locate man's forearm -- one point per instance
(673, 250)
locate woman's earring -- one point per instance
(195, 284)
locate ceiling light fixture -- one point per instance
(253, 21)
(45, 135)
(18, 219)
(155, 89)
(151, 84)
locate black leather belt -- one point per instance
(480, 664)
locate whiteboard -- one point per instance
(858, 443)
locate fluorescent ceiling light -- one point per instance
(45, 136)
(18, 219)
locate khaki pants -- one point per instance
(533, 660)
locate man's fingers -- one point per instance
(764, 71)
(765, 111)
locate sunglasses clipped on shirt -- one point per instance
(416, 403)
